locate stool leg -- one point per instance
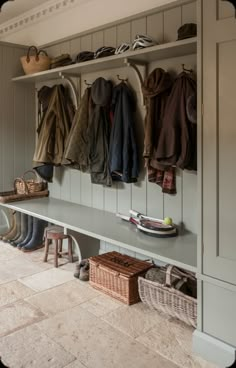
(60, 247)
(70, 253)
(56, 253)
(46, 250)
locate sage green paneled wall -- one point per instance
(17, 111)
(146, 197)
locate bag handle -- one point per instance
(28, 53)
(42, 52)
(24, 184)
(30, 171)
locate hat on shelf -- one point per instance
(84, 56)
(187, 30)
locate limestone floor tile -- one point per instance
(30, 348)
(133, 320)
(13, 291)
(101, 305)
(17, 267)
(37, 258)
(17, 315)
(62, 297)
(173, 340)
(7, 252)
(97, 344)
(76, 364)
(47, 279)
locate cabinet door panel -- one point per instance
(219, 144)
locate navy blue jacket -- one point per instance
(123, 155)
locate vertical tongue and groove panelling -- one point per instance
(146, 197)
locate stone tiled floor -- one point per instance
(48, 319)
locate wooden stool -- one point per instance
(56, 234)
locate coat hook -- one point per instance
(121, 79)
(186, 70)
(87, 83)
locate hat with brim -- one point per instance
(187, 30)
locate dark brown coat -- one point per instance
(177, 141)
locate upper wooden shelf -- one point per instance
(143, 56)
(180, 251)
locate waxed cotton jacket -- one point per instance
(99, 132)
(177, 141)
(54, 129)
(76, 151)
(123, 155)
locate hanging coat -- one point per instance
(99, 132)
(54, 129)
(177, 142)
(123, 155)
(76, 150)
(156, 89)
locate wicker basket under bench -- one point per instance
(165, 298)
(117, 275)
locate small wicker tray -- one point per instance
(12, 196)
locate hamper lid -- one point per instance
(121, 263)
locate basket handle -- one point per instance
(42, 52)
(29, 171)
(21, 180)
(182, 274)
(36, 53)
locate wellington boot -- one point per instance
(14, 230)
(12, 219)
(18, 229)
(36, 241)
(23, 230)
(29, 233)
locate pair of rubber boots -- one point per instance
(26, 232)
(82, 270)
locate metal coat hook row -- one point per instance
(122, 79)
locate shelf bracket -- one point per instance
(67, 77)
(134, 65)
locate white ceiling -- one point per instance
(15, 8)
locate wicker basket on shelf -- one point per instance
(23, 186)
(35, 63)
(165, 298)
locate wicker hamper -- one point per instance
(117, 275)
(165, 298)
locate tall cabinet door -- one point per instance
(219, 140)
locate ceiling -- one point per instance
(15, 8)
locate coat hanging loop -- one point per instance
(233, 2)
(122, 79)
(87, 83)
(186, 70)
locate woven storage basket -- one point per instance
(117, 275)
(35, 63)
(23, 186)
(166, 299)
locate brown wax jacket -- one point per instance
(54, 129)
(177, 141)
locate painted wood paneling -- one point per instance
(225, 9)
(17, 119)
(189, 14)
(110, 37)
(143, 196)
(172, 21)
(155, 26)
